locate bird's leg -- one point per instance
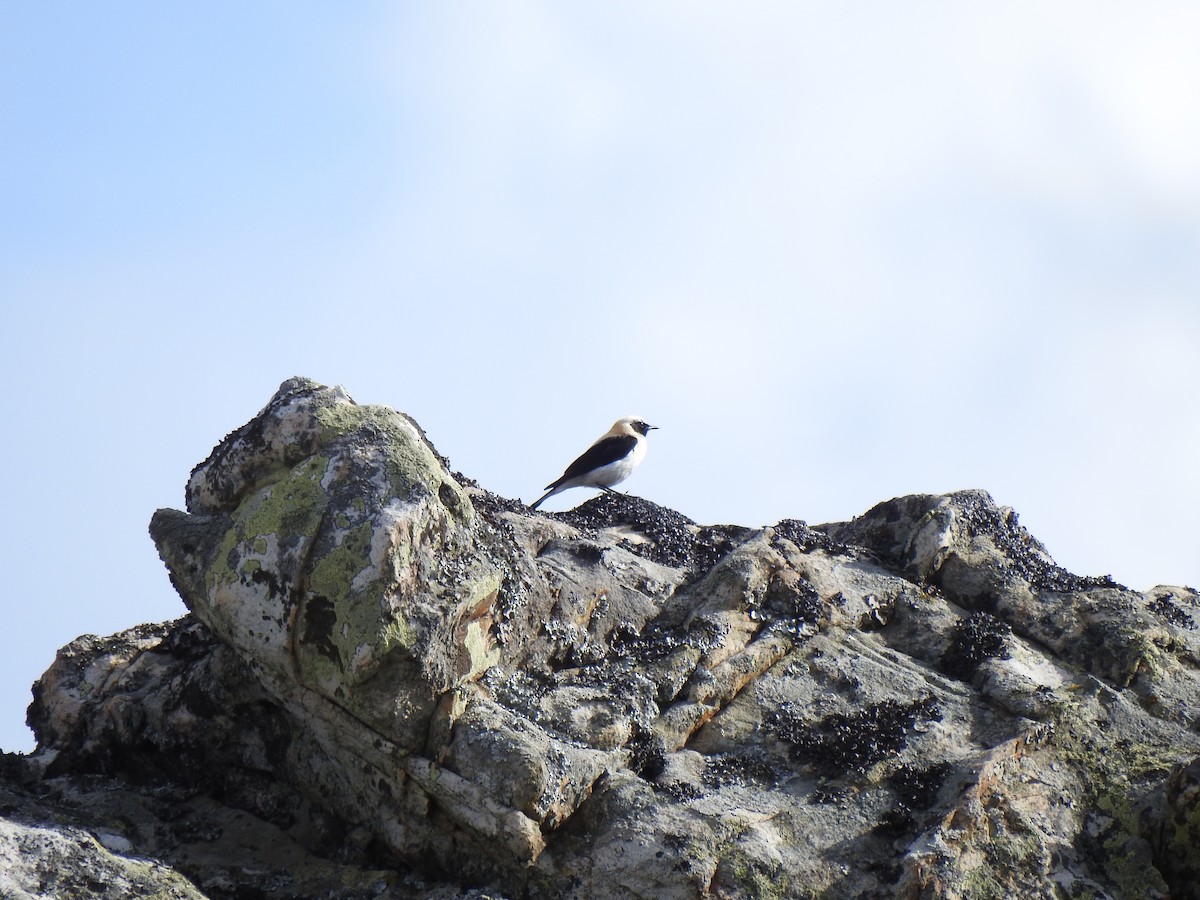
(610, 490)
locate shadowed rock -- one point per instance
(395, 683)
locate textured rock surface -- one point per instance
(395, 684)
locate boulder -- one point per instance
(395, 683)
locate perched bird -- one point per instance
(607, 462)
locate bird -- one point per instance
(609, 461)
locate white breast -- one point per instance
(615, 473)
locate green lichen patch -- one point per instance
(982, 884)
(281, 515)
(409, 463)
(481, 651)
(1180, 848)
(1117, 778)
(1138, 655)
(291, 506)
(740, 874)
(333, 574)
(399, 632)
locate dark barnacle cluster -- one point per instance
(511, 602)
(791, 608)
(706, 633)
(655, 641)
(710, 545)
(853, 742)
(1025, 554)
(916, 790)
(1165, 608)
(673, 539)
(647, 753)
(517, 690)
(573, 646)
(669, 531)
(681, 791)
(497, 542)
(489, 504)
(978, 637)
(808, 539)
(740, 768)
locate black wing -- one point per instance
(601, 453)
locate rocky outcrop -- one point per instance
(394, 683)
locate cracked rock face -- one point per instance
(394, 681)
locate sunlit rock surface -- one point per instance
(395, 684)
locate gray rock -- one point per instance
(45, 854)
(394, 683)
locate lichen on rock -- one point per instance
(397, 680)
(330, 566)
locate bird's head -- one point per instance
(635, 423)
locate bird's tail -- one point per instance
(538, 502)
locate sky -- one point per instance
(837, 252)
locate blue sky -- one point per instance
(839, 253)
